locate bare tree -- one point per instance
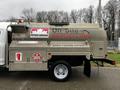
(12, 19)
(88, 14)
(118, 23)
(99, 14)
(29, 14)
(42, 16)
(107, 23)
(58, 16)
(80, 15)
(109, 18)
(53, 16)
(91, 12)
(74, 16)
(63, 16)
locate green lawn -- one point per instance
(115, 56)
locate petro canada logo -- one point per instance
(39, 33)
(18, 56)
(37, 57)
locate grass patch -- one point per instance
(114, 56)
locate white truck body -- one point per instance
(3, 46)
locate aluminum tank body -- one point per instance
(90, 33)
(68, 32)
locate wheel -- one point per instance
(60, 71)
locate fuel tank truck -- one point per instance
(53, 47)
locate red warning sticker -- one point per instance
(18, 56)
(37, 57)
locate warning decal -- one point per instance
(18, 56)
(37, 57)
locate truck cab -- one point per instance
(3, 47)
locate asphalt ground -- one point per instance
(104, 78)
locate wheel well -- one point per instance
(72, 60)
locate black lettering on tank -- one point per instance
(56, 30)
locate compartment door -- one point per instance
(99, 49)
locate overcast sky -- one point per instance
(10, 8)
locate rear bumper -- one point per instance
(109, 61)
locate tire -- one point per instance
(60, 71)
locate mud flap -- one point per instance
(87, 68)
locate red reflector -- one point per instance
(113, 63)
